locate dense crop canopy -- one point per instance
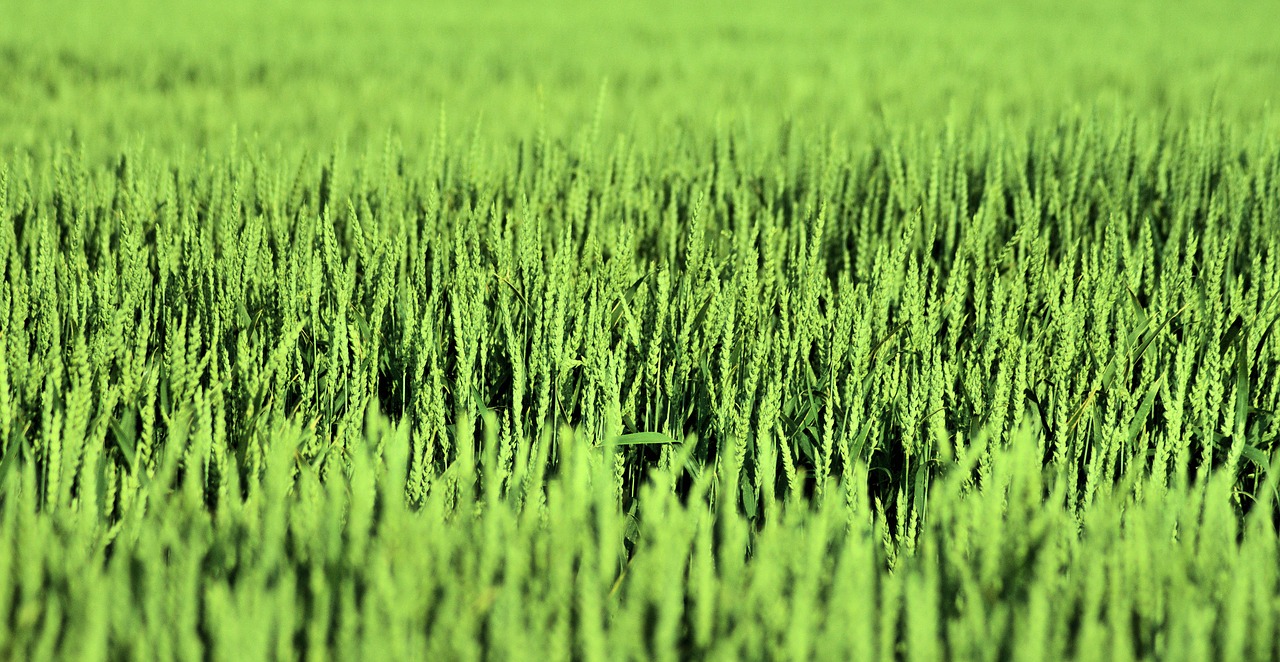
(599, 371)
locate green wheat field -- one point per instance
(566, 330)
